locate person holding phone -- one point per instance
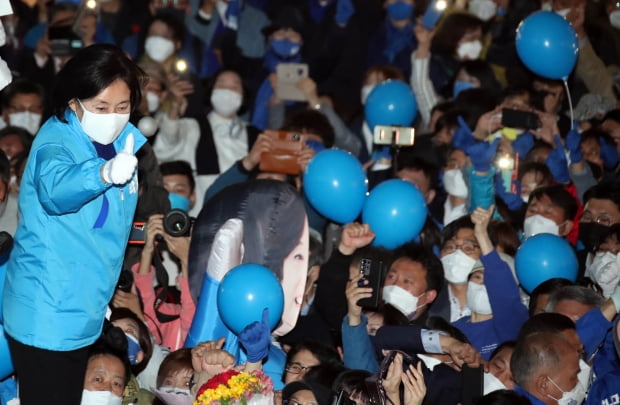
(77, 200)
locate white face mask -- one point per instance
(174, 396)
(103, 128)
(469, 50)
(538, 224)
(478, 298)
(158, 48)
(28, 120)
(605, 271)
(585, 372)
(546, 6)
(563, 13)
(454, 183)
(225, 102)
(100, 398)
(152, 101)
(614, 19)
(365, 92)
(401, 299)
(457, 266)
(572, 397)
(483, 9)
(490, 383)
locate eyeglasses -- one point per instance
(601, 219)
(296, 368)
(468, 247)
(20, 108)
(295, 402)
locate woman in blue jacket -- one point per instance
(77, 200)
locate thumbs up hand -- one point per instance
(119, 170)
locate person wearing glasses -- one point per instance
(308, 354)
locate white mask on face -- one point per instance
(152, 101)
(605, 271)
(401, 299)
(158, 48)
(102, 128)
(563, 13)
(490, 383)
(478, 298)
(365, 92)
(585, 372)
(469, 50)
(28, 120)
(100, 398)
(614, 19)
(174, 396)
(225, 102)
(454, 183)
(572, 397)
(538, 224)
(457, 266)
(483, 9)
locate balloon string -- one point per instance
(570, 103)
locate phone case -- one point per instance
(283, 157)
(288, 75)
(373, 274)
(391, 135)
(519, 119)
(431, 16)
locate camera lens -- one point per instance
(177, 223)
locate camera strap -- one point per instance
(162, 292)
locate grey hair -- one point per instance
(578, 293)
(534, 353)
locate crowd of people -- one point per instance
(148, 147)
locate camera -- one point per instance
(63, 40)
(177, 223)
(125, 281)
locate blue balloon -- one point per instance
(336, 185)
(396, 211)
(390, 103)
(547, 44)
(243, 294)
(542, 257)
(6, 363)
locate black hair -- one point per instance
(176, 26)
(546, 288)
(546, 322)
(112, 342)
(503, 397)
(22, 86)
(507, 344)
(481, 70)
(311, 121)
(613, 115)
(558, 196)
(407, 159)
(24, 136)
(350, 380)
(507, 236)
(180, 167)
(5, 168)
(427, 259)
(316, 252)
(452, 29)
(144, 339)
(90, 71)
(464, 222)
(325, 354)
(608, 190)
(245, 97)
(537, 167)
(475, 102)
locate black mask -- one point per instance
(592, 234)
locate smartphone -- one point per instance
(63, 40)
(137, 235)
(505, 161)
(391, 135)
(288, 75)
(520, 119)
(181, 69)
(282, 158)
(87, 7)
(433, 13)
(372, 271)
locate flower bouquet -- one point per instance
(236, 388)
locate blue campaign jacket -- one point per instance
(68, 248)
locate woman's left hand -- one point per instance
(391, 383)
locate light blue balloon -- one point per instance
(243, 294)
(547, 44)
(390, 103)
(396, 212)
(336, 185)
(542, 257)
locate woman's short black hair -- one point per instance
(144, 340)
(24, 136)
(452, 29)
(90, 71)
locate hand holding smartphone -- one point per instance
(283, 157)
(288, 74)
